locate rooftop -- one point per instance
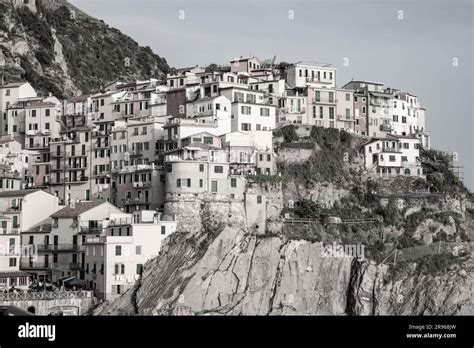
(17, 193)
(79, 208)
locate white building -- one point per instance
(316, 75)
(392, 156)
(115, 260)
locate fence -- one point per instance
(44, 295)
(413, 253)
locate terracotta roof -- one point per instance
(79, 208)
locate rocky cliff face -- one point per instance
(60, 49)
(219, 263)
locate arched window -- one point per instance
(407, 171)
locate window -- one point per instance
(331, 113)
(163, 230)
(139, 268)
(178, 182)
(246, 110)
(317, 96)
(233, 182)
(201, 167)
(348, 113)
(391, 158)
(264, 112)
(348, 97)
(201, 183)
(12, 262)
(118, 250)
(138, 250)
(395, 118)
(213, 186)
(404, 119)
(119, 268)
(259, 199)
(208, 140)
(219, 169)
(331, 97)
(33, 113)
(246, 127)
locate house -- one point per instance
(63, 247)
(250, 110)
(19, 212)
(114, 261)
(9, 95)
(197, 168)
(312, 74)
(393, 155)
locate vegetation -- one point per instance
(95, 54)
(439, 175)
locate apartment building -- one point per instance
(63, 248)
(197, 168)
(345, 110)
(70, 166)
(360, 113)
(250, 110)
(245, 65)
(9, 95)
(311, 74)
(19, 213)
(393, 155)
(114, 261)
(323, 105)
(293, 107)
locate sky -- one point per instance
(424, 47)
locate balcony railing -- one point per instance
(9, 230)
(324, 101)
(91, 230)
(120, 221)
(59, 247)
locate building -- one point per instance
(393, 155)
(19, 212)
(9, 95)
(114, 261)
(63, 247)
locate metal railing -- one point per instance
(59, 247)
(44, 295)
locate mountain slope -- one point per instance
(60, 49)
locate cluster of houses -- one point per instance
(84, 181)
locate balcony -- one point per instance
(76, 154)
(59, 247)
(10, 231)
(136, 153)
(76, 166)
(120, 221)
(386, 127)
(76, 180)
(345, 119)
(391, 150)
(324, 101)
(295, 110)
(91, 229)
(136, 201)
(317, 80)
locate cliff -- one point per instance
(59, 49)
(414, 256)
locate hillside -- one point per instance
(223, 266)
(60, 49)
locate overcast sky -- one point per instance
(410, 45)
